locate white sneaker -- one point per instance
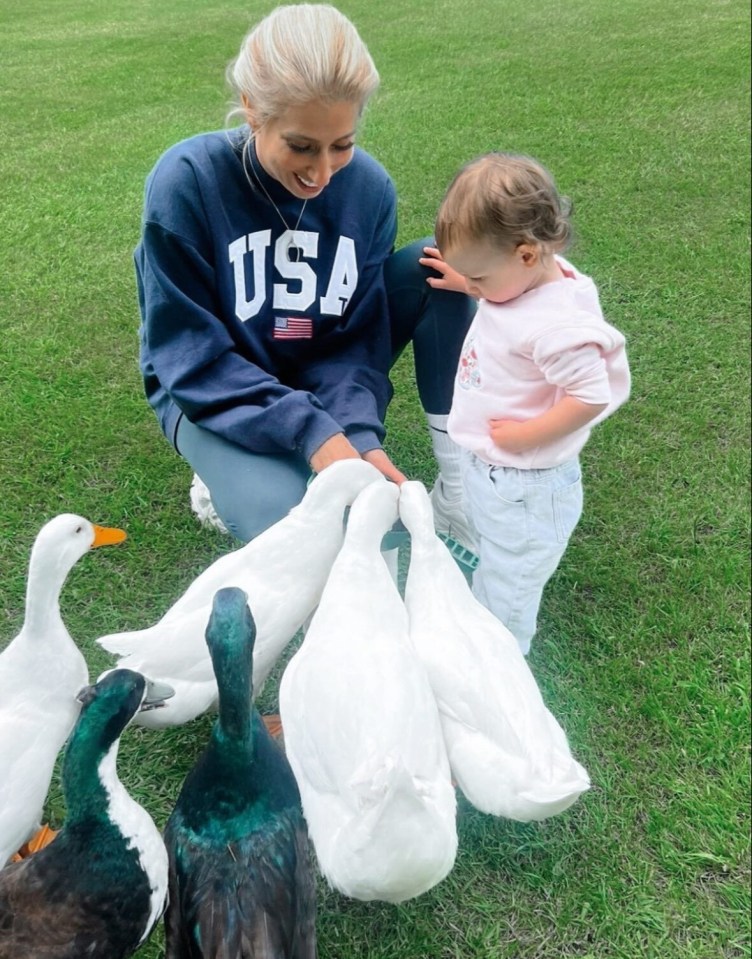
(202, 505)
(453, 525)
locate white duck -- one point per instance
(41, 671)
(362, 730)
(283, 571)
(507, 752)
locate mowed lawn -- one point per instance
(641, 110)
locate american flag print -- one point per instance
(293, 328)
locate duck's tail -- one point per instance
(509, 781)
(401, 841)
(125, 644)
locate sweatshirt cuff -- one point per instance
(322, 430)
(365, 440)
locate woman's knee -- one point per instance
(249, 491)
(247, 510)
(408, 294)
(402, 271)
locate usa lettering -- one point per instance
(300, 284)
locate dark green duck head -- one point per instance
(242, 765)
(230, 636)
(106, 709)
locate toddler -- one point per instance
(539, 368)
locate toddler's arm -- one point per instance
(565, 417)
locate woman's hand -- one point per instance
(383, 464)
(337, 447)
(450, 279)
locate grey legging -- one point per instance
(250, 491)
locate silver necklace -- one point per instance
(294, 256)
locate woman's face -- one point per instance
(306, 145)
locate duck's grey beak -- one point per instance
(156, 694)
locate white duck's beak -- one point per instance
(107, 536)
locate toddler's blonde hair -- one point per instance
(506, 199)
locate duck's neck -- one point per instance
(43, 587)
(227, 760)
(366, 542)
(90, 780)
(365, 534)
(329, 498)
(422, 540)
(234, 720)
(89, 785)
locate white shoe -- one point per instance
(454, 526)
(202, 505)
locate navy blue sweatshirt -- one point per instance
(272, 354)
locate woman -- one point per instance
(272, 305)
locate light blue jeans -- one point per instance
(524, 519)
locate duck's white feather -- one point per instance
(362, 730)
(140, 833)
(41, 670)
(508, 753)
(282, 571)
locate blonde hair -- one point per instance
(506, 199)
(297, 54)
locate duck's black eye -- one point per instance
(79, 529)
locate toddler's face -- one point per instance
(493, 274)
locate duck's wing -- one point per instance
(27, 757)
(23, 914)
(42, 917)
(253, 898)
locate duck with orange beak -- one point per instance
(41, 672)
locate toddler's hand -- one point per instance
(509, 435)
(450, 279)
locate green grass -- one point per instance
(642, 112)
